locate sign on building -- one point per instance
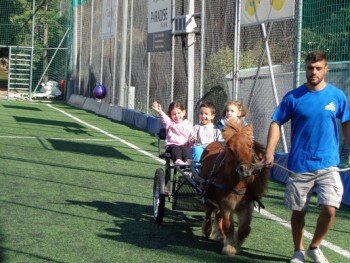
(159, 25)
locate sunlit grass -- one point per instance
(71, 194)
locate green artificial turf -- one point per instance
(70, 193)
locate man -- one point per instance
(314, 154)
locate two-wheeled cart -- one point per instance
(180, 185)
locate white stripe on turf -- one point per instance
(307, 234)
(325, 243)
(109, 135)
(57, 139)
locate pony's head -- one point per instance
(239, 142)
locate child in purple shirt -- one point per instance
(178, 132)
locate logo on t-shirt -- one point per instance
(330, 106)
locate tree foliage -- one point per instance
(326, 26)
(221, 63)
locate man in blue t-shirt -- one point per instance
(313, 109)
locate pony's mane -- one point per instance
(233, 128)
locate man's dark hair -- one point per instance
(315, 56)
(208, 105)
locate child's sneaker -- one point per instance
(316, 255)
(179, 162)
(298, 257)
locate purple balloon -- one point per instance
(100, 91)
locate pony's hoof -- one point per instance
(217, 236)
(229, 250)
(206, 230)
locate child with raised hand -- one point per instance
(205, 132)
(234, 110)
(178, 132)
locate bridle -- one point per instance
(254, 168)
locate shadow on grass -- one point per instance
(74, 167)
(68, 126)
(90, 188)
(176, 235)
(87, 148)
(30, 256)
(2, 255)
(22, 107)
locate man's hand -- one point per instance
(268, 160)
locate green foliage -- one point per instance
(249, 58)
(51, 21)
(221, 63)
(332, 35)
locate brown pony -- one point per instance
(233, 180)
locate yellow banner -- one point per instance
(261, 11)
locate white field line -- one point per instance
(307, 234)
(109, 135)
(325, 243)
(57, 139)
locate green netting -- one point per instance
(326, 26)
(42, 27)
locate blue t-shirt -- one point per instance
(314, 129)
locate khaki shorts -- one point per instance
(326, 183)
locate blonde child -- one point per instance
(205, 132)
(178, 132)
(234, 110)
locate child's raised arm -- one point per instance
(157, 107)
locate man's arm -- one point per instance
(272, 140)
(346, 133)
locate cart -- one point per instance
(180, 185)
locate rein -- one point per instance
(289, 171)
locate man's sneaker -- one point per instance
(298, 257)
(316, 255)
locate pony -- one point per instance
(233, 180)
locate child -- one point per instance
(233, 110)
(178, 132)
(205, 132)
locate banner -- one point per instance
(261, 11)
(159, 25)
(108, 19)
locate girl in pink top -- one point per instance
(178, 132)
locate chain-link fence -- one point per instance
(121, 62)
(33, 44)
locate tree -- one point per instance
(326, 26)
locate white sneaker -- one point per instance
(298, 257)
(316, 255)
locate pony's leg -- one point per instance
(244, 221)
(228, 228)
(218, 233)
(207, 226)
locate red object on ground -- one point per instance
(62, 84)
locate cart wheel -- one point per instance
(158, 196)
